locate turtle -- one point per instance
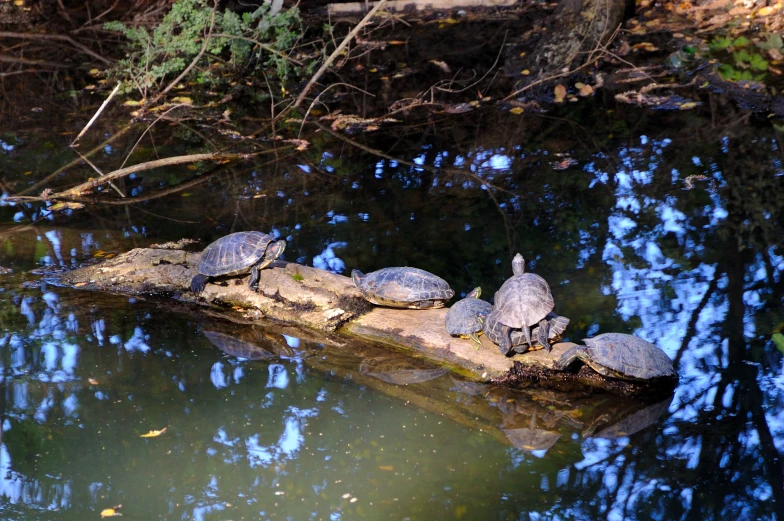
(618, 355)
(512, 340)
(404, 287)
(400, 370)
(466, 317)
(522, 302)
(237, 254)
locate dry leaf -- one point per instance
(766, 11)
(111, 512)
(516, 110)
(586, 90)
(80, 284)
(441, 65)
(154, 434)
(386, 467)
(687, 106)
(92, 381)
(560, 93)
(645, 46)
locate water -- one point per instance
(318, 429)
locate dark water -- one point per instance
(628, 238)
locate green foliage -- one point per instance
(261, 37)
(746, 60)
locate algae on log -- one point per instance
(329, 303)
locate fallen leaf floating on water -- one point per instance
(645, 46)
(92, 381)
(154, 434)
(560, 93)
(586, 90)
(111, 512)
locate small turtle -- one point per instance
(403, 288)
(512, 340)
(237, 254)
(466, 316)
(524, 301)
(620, 356)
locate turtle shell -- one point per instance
(523, 301)
(627, 356)
(466, 316)
(403, 287)
(234, 254)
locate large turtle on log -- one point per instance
(405, 287)
(237, 254)
(523, 301)
(618, 355)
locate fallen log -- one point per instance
(329, 303)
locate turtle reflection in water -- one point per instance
(634, 422)
(237, 254)
(618, 355)
(405, 287)
(530, 438)
(400, 370)
(234, 346)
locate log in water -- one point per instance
(316, 299)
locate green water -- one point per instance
(310, 432)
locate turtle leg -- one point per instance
(506, 342)
(573, 354)
(426, 304)
(544, 335)
(475, 338)
(254, 278)
(527, 334)
(198, 282)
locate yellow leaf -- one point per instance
(687, 106)
(94, 72)
(18, 3)
(154, 434)
(645, 46)
(110, 512)
(516, 110)
(80, 284)
(766, 11)
(28, 173)
(586, 90)
(386, 467)
(132, 103)
(526, 72)
(185, 100)
(560, 93)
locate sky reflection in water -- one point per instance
(306, 435)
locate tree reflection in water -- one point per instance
(626, 243)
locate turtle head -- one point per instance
(356, 278)
(274, 251)
(518, 265)
(475, 292)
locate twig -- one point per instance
(264, 46)
(162, 116)
(99, 172)
(98, 113)
(25, 61)
(305, 117)
(350, 36)
(59, 37)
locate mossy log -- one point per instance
(315, 299)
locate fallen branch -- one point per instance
(56, 37)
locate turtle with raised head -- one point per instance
(466, 317)
(513, 341)
(524, 301)
(237, 254)
(618, 355)
(404, 287)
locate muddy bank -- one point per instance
(319, 300)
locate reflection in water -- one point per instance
(626, 243)
(400, 370)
